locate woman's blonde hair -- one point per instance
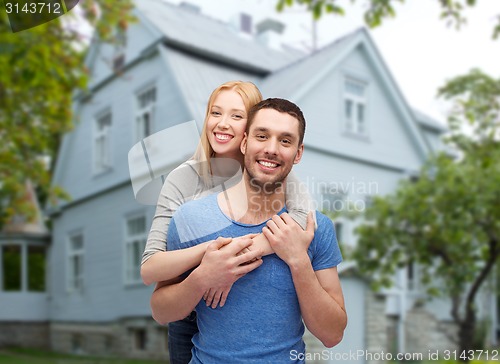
(250, 95)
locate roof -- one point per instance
(196, 78)
(198, 33)
(293, 76)
(21, 225)
(428, 122)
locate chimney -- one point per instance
(269, 32)
(242, 23)
(185, 5)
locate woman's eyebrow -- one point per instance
(240, 110)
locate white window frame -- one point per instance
(132, 264)
(142, 110)
(25, 267)
(75, 283)
(353, 125)
(102, 155)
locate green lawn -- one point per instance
(30, 356)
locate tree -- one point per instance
(452, 11)
(447, 221)
(42, 68)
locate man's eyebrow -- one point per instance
(261, 129)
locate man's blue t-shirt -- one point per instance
(261, 320)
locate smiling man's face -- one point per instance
(271, 147)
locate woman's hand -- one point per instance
(217, 296)
(261, 242)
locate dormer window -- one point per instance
(119, 51)
(355, 107)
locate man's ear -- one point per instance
(243, 145)
(298, 156)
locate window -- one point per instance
(75, 263)
(412, 276)
(77, 344)
(23, 268)
(145, 102)
(333, 199)
(135, 242)
(11, 263)
(355, 107)
(108, 343)
(368, 201)
(338, 230)
(139, 339)
(102, 143)
(119, 50)
(36, 268)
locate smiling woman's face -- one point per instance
(226, 124)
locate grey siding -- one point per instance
(75, 166)
(105, 296)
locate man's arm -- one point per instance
(321, 301)
(173, 300)
(319, 293)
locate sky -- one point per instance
(419, 49)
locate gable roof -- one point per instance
(305, 74)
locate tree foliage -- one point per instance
(42, 68)
(452, 11)
(448, 220)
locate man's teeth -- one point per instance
(268, 164)
(223, 136)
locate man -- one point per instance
(261, 320)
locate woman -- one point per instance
(216, 164)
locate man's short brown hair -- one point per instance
(280, 105)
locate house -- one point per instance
(362, 138)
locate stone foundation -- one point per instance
(25, 335)
(424, 333)
(376, 325)
(139, 337)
